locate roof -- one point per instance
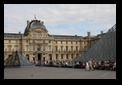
(65, 36)
(34, 24)
(12, 34)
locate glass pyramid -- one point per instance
(16, 59)
(104, 49)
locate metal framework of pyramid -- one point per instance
(16, 60)
(104, 49)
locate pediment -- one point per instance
(38, 33)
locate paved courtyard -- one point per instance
(33, 72)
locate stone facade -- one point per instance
(36, 44)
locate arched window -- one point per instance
(61, 48)
(56, 56)
(66, 48)
(50, 57)
(72, 56)
(62, 56)
(71, 48)
(38, 48)
(27, 56)
(76, 48)
(6, 50)
(67, 57)
(13, 50)
(56, 48)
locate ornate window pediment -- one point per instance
(38, 33)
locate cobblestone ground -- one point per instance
(33, 72)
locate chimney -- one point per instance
(19, 32)
(101, 32)
(27, 22)
(89, 34)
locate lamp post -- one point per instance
(21, 44)
(34, 56)
(21, 41)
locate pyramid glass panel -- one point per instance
(16, 59)
(104, 49)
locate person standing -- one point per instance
(91, 65)
(87, 66)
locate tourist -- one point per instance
(87, 66)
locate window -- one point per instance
(61, 42)
(76, 48)
(67, 56)
(66, 48)
(56, 56)
(61, 56)
(43, 48)
(16, 47)
(9, 41)
(38, 49)
(33, 48)
(72, 56)
(71, 48)
(66, 42)
(49, 41)
(44, 41)
(16, 41)
(26, 41)
(61, 48)
(77, 55)
(13, 50)
(85, 47)
(71, 42)
(49, 48)
(6, 50)
(33, 41)
(56, 48)
(9, 49)
(26, 48)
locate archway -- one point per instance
(27, 56)
(50, 57)
(39, 57)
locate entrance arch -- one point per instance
(50, 56)
(27, 56)
(39, 56)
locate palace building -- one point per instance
(37, 44)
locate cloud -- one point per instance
(67, 18)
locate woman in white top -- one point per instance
(87, 66)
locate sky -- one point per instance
(61, 19)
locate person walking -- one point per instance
(91, 65)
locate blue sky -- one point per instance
(61, 19)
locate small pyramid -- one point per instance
(16, 60)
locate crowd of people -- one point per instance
(102, 65)
(51, 63)
(88, 65)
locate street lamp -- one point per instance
(34, 56)
(21, 41)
